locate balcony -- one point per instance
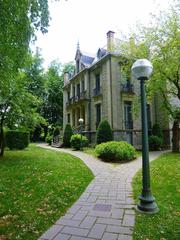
(127, 88)
(83, 95)
(77, 98)
(97, 92)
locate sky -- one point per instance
(87, 22)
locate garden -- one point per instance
(39, 185)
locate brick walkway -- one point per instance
(105, 210)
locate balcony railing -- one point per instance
(127, 88)
(97, 91)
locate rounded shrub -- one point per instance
(115, 151)
(78, 141)
(68, 132)
(155, 143)
(16, 139)
(104, 132)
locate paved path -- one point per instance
(106, 209)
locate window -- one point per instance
(128, 115)
(83, 86)
(77, 66)
(78, 90)
(97, 83)
(68, 95)
(98, 114)
(68, 117)
(74, 91)
(128, 121)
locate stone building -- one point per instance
(100, 90)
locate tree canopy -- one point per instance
(160, 43)
(18, 22)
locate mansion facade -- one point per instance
(99, 90)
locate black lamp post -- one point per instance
(81, 121)
(142, 70)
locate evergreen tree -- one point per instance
(68, 132)
(104, 132)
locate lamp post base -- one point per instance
(147, 205)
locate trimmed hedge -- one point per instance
(68, 132)
(115, 151)
(76, 141)
(155, 143)
(16, 139)
(104, 132)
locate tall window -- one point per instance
(128, 115)
(97, 82)
(77, 66)
(98, 114)
(74, 91)
(68, 117)
(78, 90)
(68, 95)
(83, 86)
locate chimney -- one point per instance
(66, 78)
(110, 41)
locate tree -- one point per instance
(52, 110)
(165, 46)
(104, 132)
(18, 22)
(68, 132)
(34, 74)
(160, 43)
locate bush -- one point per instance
(155, 143)
(157, 131)
(115, 151)
(68, 132)
(16, 139)
(49, 139)
(76, 141)
(104, 132)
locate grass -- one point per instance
(37, 186)
(165, 183)
(90, 151)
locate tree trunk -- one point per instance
(1, 140)
(176, 137)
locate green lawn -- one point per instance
(37, 186)
(165, 181)
(90, 151)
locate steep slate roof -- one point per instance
(87, 60)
